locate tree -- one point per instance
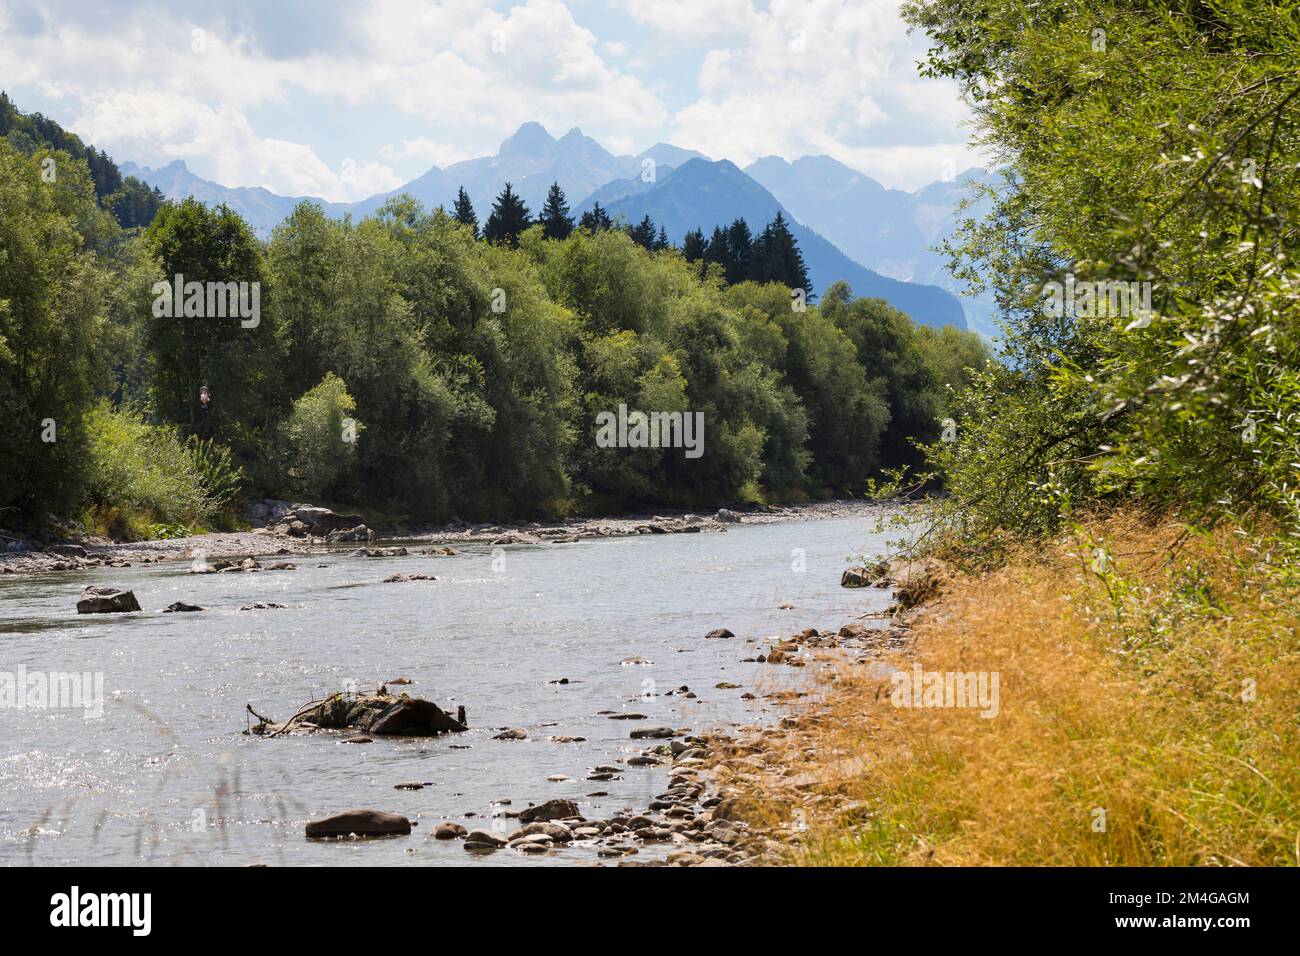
(555, 220)
(716, 250)
(235, 356)
(463, 211)
(319, 440)
(662, 242)
(509, 218)
(740, 252)
(51, 297)
(596, 219)
(693, 245)
(776, 257)
(1186, 406)
(643, 233)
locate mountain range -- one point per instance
(848, 226)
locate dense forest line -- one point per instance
(404, 364)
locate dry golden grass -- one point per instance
(1125, 690)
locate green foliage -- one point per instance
(236, 358)
(509, 218)
(480, 368)
(1159, 150)
(128, 199)
(154, 471)
(51, 310)
(463, 212)
(772, 256)
(319, 441)
(555, 220)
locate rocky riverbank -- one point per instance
(282, 528)
(732, 798)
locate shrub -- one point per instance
(319, 440)
(136, 470)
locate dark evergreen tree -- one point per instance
(693, 245)
(780, 259)
(662, 241)
(463, 211)
(555, 220)
(509, 218)
(643, 233)
(596, 219)
(716, 250)
(740, 250)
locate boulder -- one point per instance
(718, 633)
(105, 600)
(557, 832)
(266, 511)
(361, 823)
(856, 578)
(652, 733)
(448, 831)
(321, 521)
(550, 810)
(483, 840)
(382, 715)
(359, 533)
(412, 717)
(179, 606)
(726, 516)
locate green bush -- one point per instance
(319, 440)
(139, 475)
(1148, 146)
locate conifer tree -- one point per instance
(596, 219)
(509, 218)
(740, 250)
(643, 233)
(555, 220)
(693, 245)
(463, 211)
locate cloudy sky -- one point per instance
(345, 98)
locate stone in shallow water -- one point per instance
(652, 733)
(448, 831)
(106, 600)
(180, 606)
(550, 810)
(483, 840)
(361, 823)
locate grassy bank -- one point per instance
(1148, 715)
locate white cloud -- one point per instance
(694, 18)
(732, 78)
(423, 150)
(165, 124)
(815, 76)
(146, 89)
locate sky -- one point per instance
(343, 99)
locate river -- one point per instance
(165, 775)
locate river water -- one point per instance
(166, 776)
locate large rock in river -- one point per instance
(383, 714)
(360, 822)
(103, 600)
(550, 810)
(320, 521)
